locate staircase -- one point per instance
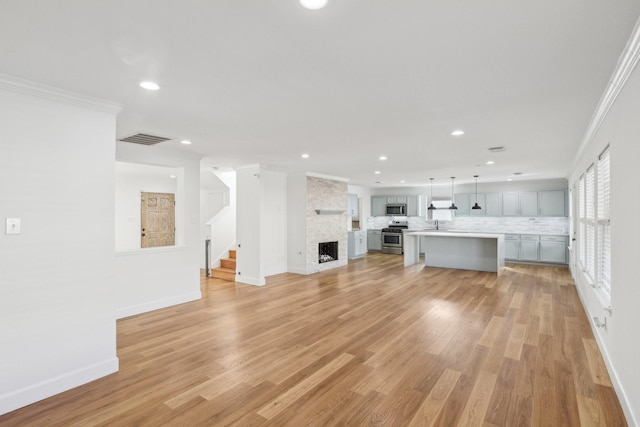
(227, 269)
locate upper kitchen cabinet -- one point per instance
(413, 205)
(352, 206)
(523, 203)
(492, 204)
(378, 205)
(552, 203)
(462, 202)
(397, 199)
(465, 202)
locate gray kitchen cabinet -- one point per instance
(529, 248)
(512, 247)
(529, 203)
(396, 199)
(352, 206)
(553, 249)
(493, 204)
(413, 205)
(374, 240)
(461, 200)
(552, 203)
(378, 205)
(357, 244)
(523, 203)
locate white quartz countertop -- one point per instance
(534, 233)
(444, 233)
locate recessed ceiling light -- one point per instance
(377, 172)
(305, 156)
(149, 85)
(185, 142)
(457, 132)
(172, 176)
(382, 158)
(490, 162)
(313, 4)
(402, 182)
(509, 179)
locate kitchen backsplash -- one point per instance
(509, 225)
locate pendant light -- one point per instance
(476, 206)
(431, 207)
(453, 205)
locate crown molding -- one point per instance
(626, 64)
(329, 177)
(19, 85)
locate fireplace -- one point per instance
(327, 251)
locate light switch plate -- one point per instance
(13, 226)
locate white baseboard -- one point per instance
(613, 375)
(157, 304)
(298, 271)
(255, 281)
(52, 386)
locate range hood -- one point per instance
(331, 211)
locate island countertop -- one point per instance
(459, 249)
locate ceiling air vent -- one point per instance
(144, 139)
(496, 149)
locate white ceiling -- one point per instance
(263, 81)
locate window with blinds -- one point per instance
(581, 223)
(603, 204)
(590, 223)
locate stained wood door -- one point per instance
(158, 220)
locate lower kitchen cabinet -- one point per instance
(357, 244)
(529, 248)
(553, 249)
(512, 246)
(534, 248)
(374, 240)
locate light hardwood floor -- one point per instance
(372, 343)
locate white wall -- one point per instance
(249, 201)
(152, 278)
(274, 223)
(261, 224)
(57, 296)
(297, 219)
(620, 342)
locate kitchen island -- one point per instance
(461, 250)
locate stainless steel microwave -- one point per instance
(398, 209)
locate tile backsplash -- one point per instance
(508, 225)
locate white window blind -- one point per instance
(590, 226)
(581, 222)
(603, 221)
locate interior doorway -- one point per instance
(157, 220)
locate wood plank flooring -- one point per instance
(372, 343)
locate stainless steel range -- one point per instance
(392, 237)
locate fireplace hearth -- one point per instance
(327, 252)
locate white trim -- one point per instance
(330, 177)
(626, 64)
(58, 384)
(613, 375)
(250, 280)
(40, 90)
(132, 310)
